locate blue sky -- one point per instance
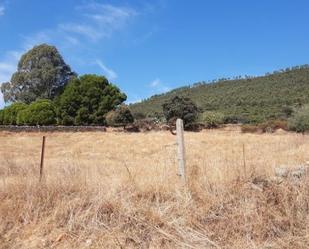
(148, 47)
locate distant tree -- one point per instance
(121, 116)
(40, 112)
(180, 107)
(41, 73)
(9, 113)
(87, 99)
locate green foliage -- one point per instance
(122, 116)
(251, 100)
(287, 111)
(40, 112)
(1, 116)
(180, 107)
(41, 73)
(9, 114)
(299, 122)
(87, 99)
(139, 115)
(212, 119)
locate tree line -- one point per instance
(45, 91)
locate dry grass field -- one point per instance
(121, 190)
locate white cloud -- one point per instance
(84, 30)
(110, 74)
(98, 21)
(158, 86)
(155, 83)
(2, 9)
(106, 14)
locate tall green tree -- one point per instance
(41, 73)
(87, 99)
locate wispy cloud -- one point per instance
(2, 10)
(155, 83)
(87, 31)
(98, 21)
(158, 86)
(110, 74)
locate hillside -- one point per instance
(252, 99)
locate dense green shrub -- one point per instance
(299, 122)
(40, 112)
(86, 100)
(1, 117)
(179, 107)
(212, 119)
(9, 113)
(122, 116)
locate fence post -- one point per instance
(42, 158)
(181, 149)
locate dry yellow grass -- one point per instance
(118, 190)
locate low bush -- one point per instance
(299, 121)
(250, 129)
(272, 125)
(147, 124)
(212, 119)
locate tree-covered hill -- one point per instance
(251, 99)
